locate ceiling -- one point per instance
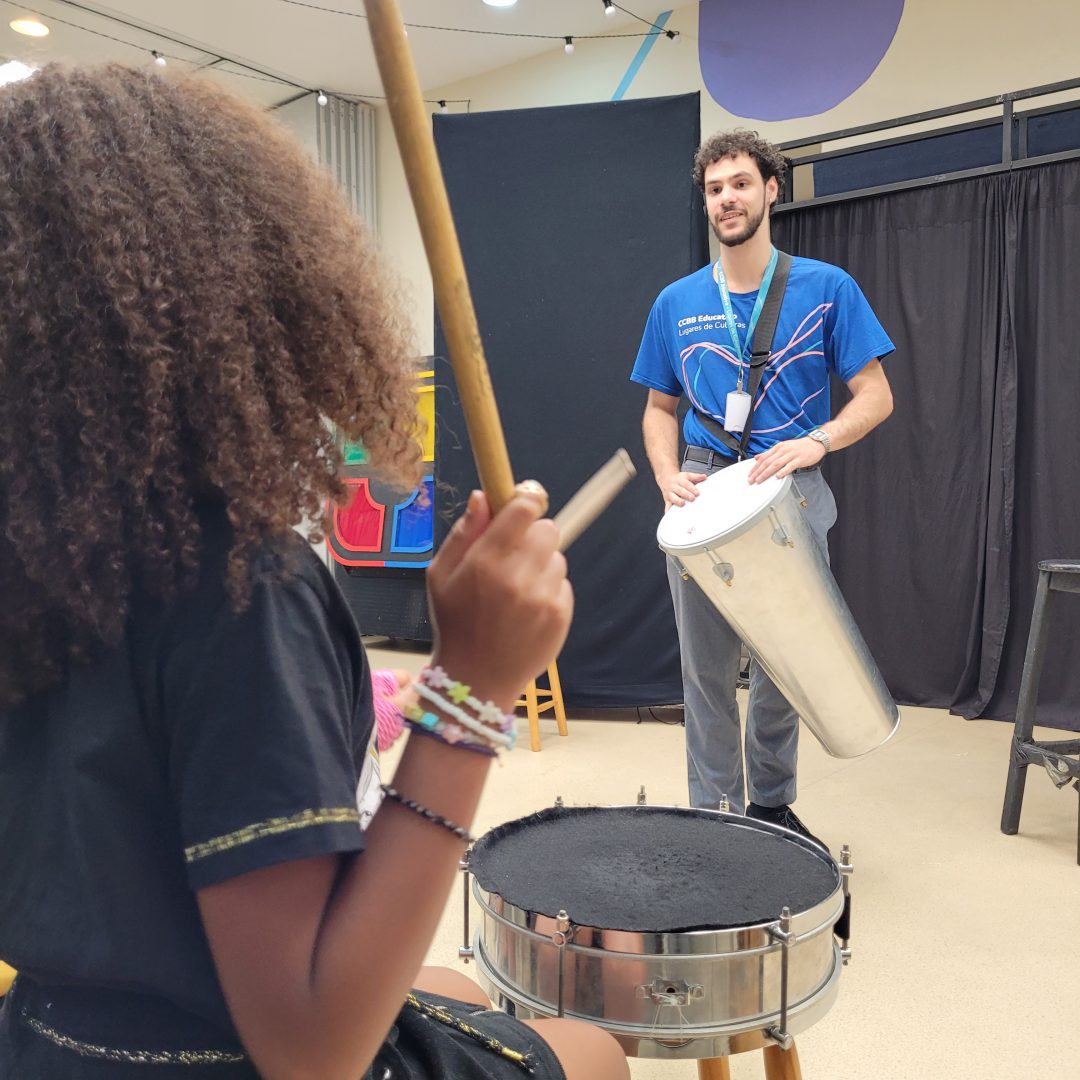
(293, 46)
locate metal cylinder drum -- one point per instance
(752, 552)
(653, 923)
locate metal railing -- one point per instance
(1014, 124)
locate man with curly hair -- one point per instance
(697, 342)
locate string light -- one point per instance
(443, 107)
(655, 28)
(609, 8)
(158, 58)
(322, 98)
(568, 48)
(672, 35)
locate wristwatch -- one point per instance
(822, 436)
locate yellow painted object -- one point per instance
(7, 977)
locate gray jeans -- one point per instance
(711, 652)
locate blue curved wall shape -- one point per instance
(781, 59)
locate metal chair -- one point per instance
(1057, 756)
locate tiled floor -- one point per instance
(966, 964)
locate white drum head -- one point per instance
(727, 505)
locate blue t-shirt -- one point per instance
(825, 326)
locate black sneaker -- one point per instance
(783, 816)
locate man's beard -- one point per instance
(753, 223)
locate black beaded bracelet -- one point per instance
(424, 812)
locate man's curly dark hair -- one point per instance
(725, 144)
(186, 307)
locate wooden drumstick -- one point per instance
(412, 127)
(593, 497)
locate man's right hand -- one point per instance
(679, 488)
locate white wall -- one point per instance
(301, 118)
(944, 52)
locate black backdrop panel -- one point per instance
(946, 508)
(1046, 287)
(571, 220)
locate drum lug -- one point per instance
(641, 797)
(798, 494)
(780, 534)
(465, 951)
(680, 569)
(724, 571)
(725, 804)
(670, 992)
(781, 931)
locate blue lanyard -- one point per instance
(742, 349)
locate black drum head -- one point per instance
(651, 869)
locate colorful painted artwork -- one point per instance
(782, 59)
(380, 526)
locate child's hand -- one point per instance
(500, 601)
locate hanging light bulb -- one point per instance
(568, 48)
(443, 107)
(609, 7)
(158, 58)
(322, 99)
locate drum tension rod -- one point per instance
(781, 932)
(564, 934)
(780, 534)
(842, 929)
(465, 951)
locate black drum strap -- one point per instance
(760, 351)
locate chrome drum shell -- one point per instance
(698, 994)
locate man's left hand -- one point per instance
(785, 457)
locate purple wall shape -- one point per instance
(781, 59)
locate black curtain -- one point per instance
(571, 220)
(945, 510)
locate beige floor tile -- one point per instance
(965, 962)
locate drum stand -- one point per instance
(780, 1064)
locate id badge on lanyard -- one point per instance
(737, 406)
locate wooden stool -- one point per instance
(779, 1065)
(1058, 756)
(531, 702)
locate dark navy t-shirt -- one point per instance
(825, 327)
(209, 744)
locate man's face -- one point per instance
(736, 198)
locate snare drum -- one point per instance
(753, 554)
(683, 933)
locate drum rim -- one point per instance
(724, 536)
(807, 923)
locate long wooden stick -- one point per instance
(412, 127)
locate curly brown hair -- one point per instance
(725, 144)
(186, 306)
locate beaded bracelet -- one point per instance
(487, 712)
(489, 734)
(424, 812)
(438, 736)
(452, 734)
